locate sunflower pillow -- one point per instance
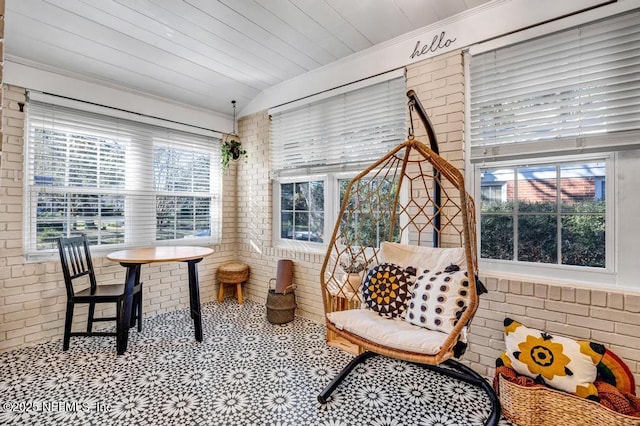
(556, 361)
(385, 289)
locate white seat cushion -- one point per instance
(394, 333)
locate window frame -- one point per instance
(549, 271)
(332, 207)
(294, 244)
(332, 204)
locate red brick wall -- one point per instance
(573, 189)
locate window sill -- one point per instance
(301, 246)
(97, 252)
(561, 275)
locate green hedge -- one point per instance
(582, 233)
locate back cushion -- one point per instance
(433, 258)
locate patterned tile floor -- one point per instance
(245, 372)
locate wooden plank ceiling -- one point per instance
(206, 52)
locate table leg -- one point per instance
(133, 278)
(194, 298)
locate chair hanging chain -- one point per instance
(411, 135)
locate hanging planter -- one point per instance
(231, 150)
(231, 146)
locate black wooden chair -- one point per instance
(77, 268)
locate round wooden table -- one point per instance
(133, 259)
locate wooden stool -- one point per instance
(232, 273)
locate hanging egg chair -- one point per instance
(399, 277)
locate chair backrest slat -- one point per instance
(75, 258)
(76, 255)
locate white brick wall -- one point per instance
(255, 227)
(32, 295)
(439, 84)
(1, 69)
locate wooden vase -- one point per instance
(352, 282)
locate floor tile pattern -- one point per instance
(245, 372)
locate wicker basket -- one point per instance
(539, 406)
(281, 307)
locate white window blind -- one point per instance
(356, 127)
(560, 92)
(121, 182)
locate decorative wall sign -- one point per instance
(438, 42)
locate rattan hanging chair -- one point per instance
(408, 209)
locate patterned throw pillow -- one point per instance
(385, 289)
(615, 372)
(556, 361)
(438, 299)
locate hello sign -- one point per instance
(438, 42)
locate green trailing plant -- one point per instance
(231, 150)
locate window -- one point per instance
(551, 214)
(319, 146)
(492, 192)
(549, 117)
(122, 183)
(302, 211)
(370, 221)
(178, 174)
(303, 203)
